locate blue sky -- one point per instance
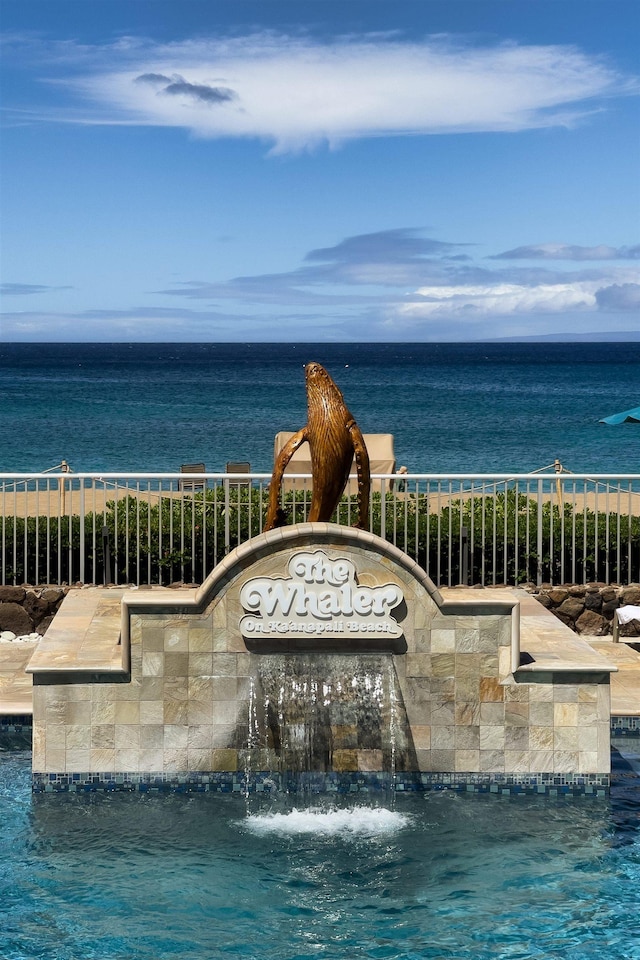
(178, 170)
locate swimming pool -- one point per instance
(442, 875)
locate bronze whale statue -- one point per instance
(334, 439)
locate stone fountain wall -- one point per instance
(175, 711)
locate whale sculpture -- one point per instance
(334, 439)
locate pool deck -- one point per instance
(84, 638)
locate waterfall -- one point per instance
(320, 721)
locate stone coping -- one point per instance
(550, 646)
(84, 636)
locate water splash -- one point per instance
(355, 822)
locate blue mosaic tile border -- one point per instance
(625, 726)
(16, 723)
(16, 731)
(526, 784)
(542, 784)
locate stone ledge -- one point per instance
(84, 637)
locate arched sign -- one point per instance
(319, 603)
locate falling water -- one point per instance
(325, 722)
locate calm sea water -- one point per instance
(116, 877)
(451, 407)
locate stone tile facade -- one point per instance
(183, 704)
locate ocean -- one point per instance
(452, 408)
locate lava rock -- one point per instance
(558, 595)
(592, 624)
(593, 601)
(52, 595)
(571, 608)
(12, 594)
(609, 607)
(15, 618)
(37, 607)
(631, 595)
(577, 590)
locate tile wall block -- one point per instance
(185, 708)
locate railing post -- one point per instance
(227, 533)
(539, 537)
(106, 555)
(464, 551)
(82, 542)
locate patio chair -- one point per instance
(191, 484)
(241, 466)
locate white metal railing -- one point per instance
(143, 528)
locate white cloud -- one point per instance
(297, 93)
(501, 299)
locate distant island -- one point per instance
(620, 336)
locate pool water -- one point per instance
(441, 875)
